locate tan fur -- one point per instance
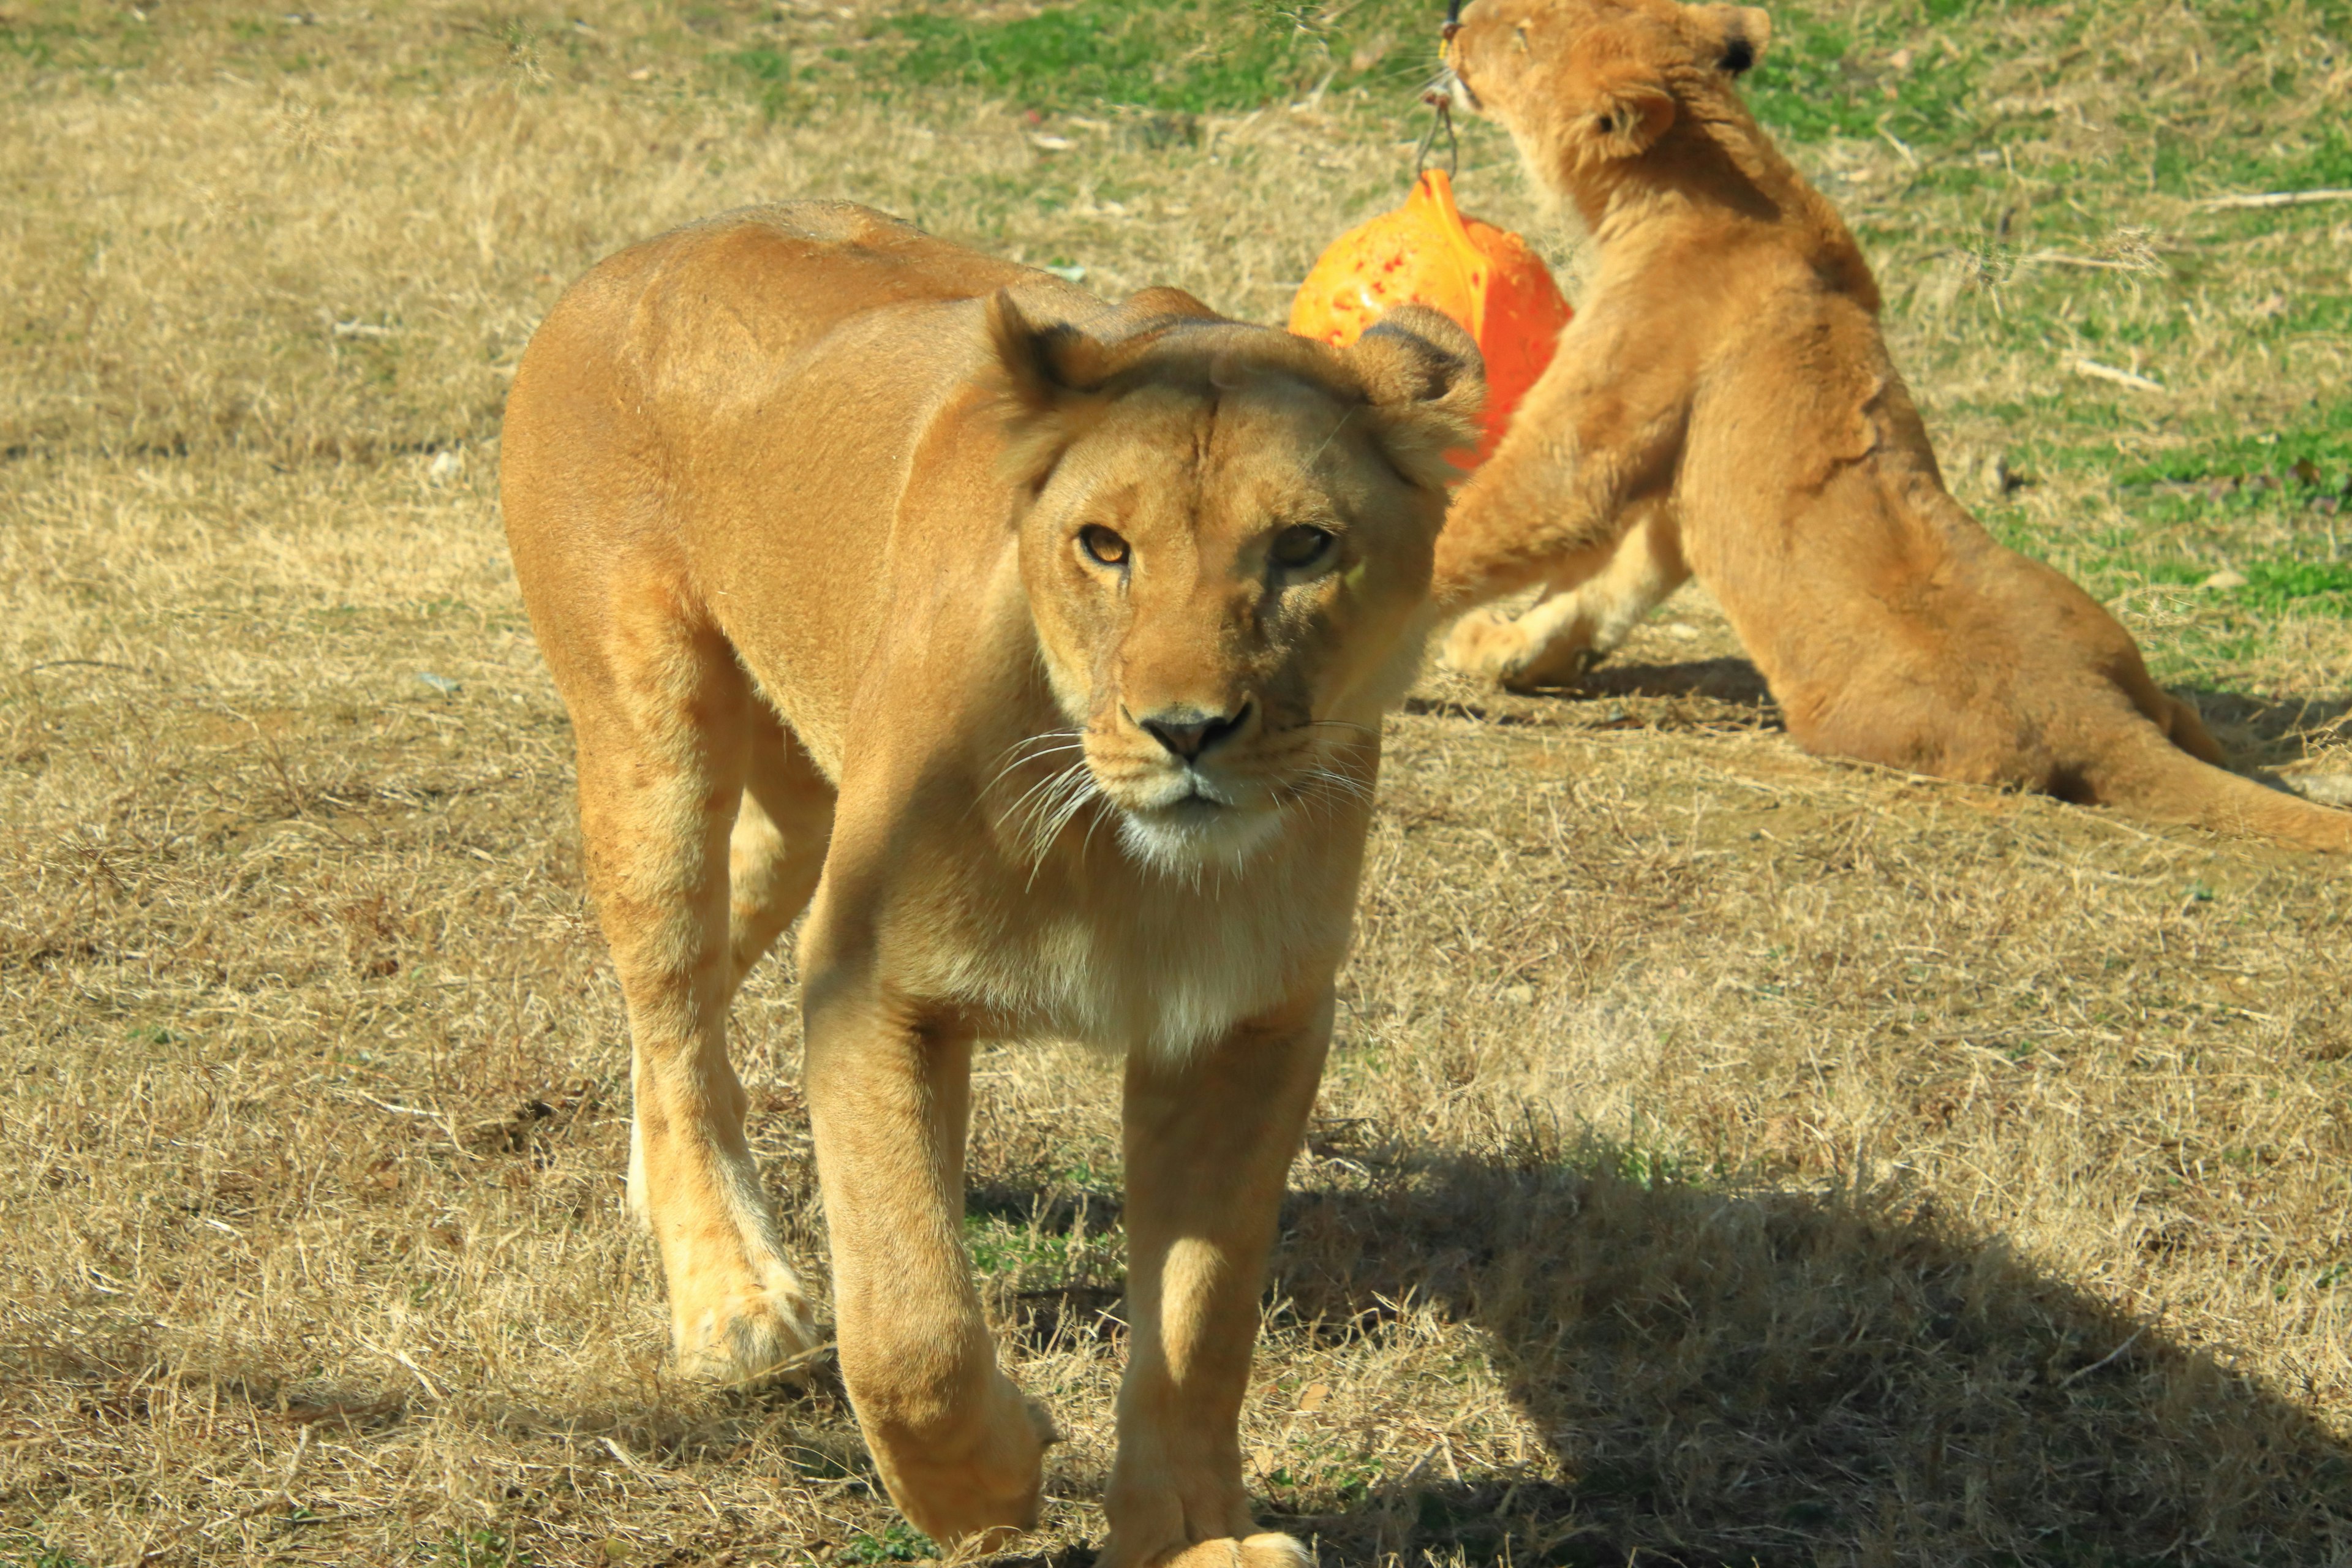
(1725, 382)
(796, 499)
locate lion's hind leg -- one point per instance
(668, 723)
(2185, 727)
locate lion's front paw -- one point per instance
(1486, 646)
(979, 1487)
(1535, 652)
(748, 1334)
(1269, 1550)
(1551, 666)
(1491, 647)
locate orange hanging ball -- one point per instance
(1427, 253)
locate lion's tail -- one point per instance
(2152, 777)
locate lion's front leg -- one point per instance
(958, 1448)
(1552, 504)
(1209, 1140)
(1583, 620)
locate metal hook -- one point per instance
(1442, 120)
(1441, 102)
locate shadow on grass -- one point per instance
(1765, 1377)
(1718, 1375)
(2258, 732)
(1733, 682)
(2261, 731)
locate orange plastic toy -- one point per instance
(1427, 253)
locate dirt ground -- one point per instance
(1728, 1157)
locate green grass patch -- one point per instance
(2195, 160)
(2272, 506)
(57, 40)
(2314, 454)
(2312, 587)
(1190, 55)
(770, 73)
(1820, 78)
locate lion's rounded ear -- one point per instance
(1046, 382)
(1426, 382)
(1631, 109)
(1040, 367)
(1733, 36)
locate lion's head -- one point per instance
(1227, 554)
(1582, 84)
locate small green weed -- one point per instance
(21, 1550)
(1037, 1258)
(474, 1549)
(896, 1543)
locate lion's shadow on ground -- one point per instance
(2267, 731)
(1732, 682)
(1763, 1377)
(2257, 731)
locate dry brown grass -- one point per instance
(1728, 1157)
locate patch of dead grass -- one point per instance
(1728, 1156)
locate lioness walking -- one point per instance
(1724, 404)
(1039, 649)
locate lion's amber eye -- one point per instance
(1103, 547)
(1300, 546)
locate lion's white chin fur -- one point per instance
(1196, 834)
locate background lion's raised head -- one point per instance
(1583, 83)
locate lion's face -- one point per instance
(1228, 567)
(1580, 83)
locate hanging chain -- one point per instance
(1441, 103)
(1442, 119)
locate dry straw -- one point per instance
(1727, 1157)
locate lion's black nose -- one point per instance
(1187, 731)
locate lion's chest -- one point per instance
(1163, 966)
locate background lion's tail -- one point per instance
(2153, 777)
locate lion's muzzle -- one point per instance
(1186, 732)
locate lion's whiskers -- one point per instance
(1065, 793)
(1025, 809)
(1019, 753)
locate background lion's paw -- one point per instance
(753, 1336)
(1486, 646)
(1268, 1550)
